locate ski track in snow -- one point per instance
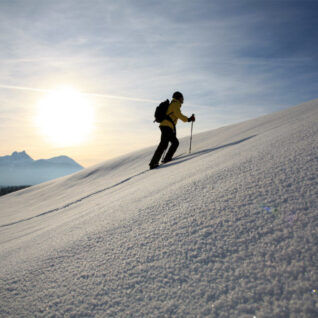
(176, 161)
(227, 231)
(74, 202)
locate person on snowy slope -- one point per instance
(168, 131)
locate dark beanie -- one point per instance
(177, 95)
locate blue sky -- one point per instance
(233, 60)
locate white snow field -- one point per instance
(227, 231)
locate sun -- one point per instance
(65, 117)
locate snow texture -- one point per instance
(227, 231)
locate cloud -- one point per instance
(224, 56)
(41, 90)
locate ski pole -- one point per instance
(164, 154)
(191, 137)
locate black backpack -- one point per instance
(161, 112)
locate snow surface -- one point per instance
(227, 231)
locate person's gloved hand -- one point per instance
(192, 118)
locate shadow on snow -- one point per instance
(186, 157)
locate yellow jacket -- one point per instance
(175, 113)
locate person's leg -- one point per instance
(174, 146)
(161, 147)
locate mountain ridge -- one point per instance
(20, 169)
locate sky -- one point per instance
(232, 60)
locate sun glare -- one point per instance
(65, 117)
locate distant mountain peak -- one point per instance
(21, 156)
(19, 169)
(64, 160)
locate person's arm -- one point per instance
(179, 115)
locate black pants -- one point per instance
(167, 135)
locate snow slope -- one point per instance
(227, 231)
